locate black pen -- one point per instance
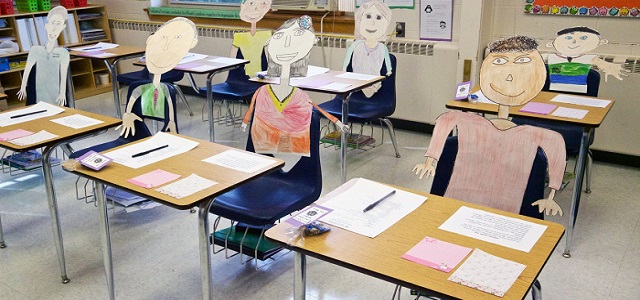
(92, 48)
(28, 114)
(374, 204)
(148, 151)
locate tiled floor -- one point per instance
(156, 251)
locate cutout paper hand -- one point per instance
(127, 124)
(425, 169)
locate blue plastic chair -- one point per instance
(534, 191)
(365, 110)
(170, 78)
(236, 88)
(572, 134)
(258, 204)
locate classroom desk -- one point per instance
(380, 257)
(121, 52)
(589, 123)
(213, 69)
(65, 135)
(344, 94)
(184, 164)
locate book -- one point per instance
(354, 140)
(42, 32)
(33, 35)
(27, 160)
(23, 35)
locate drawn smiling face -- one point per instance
(291, 44)
(168, 46)
(576, 43)
(252, 11)
(55, 25)
(512, 78)
(373, 25)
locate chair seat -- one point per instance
(264, 201)
(128, 78)
(360, 110)
(234, 91)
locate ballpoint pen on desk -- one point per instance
(148, 151)
(92, 48)
(374, 204)
(28, 114)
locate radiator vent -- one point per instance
(411, 48)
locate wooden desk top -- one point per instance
(380, 257)
(119, 52)
(593, 119)
(213, 66)
(355, 85)
(63, 132)
(184, 164)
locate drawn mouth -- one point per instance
(287, 57)
(578, 46)
(371, 30)
(502, 93)
(159, 67)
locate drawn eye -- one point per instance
(178, 36)
(584, 37)
(278, 35)
(378, 17)
(298, 32)
(568, 37)
(500, 61)
(368, 16)
(522, 60)
(164, 36)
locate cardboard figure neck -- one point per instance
(283, 89)
(156, 79)
(51, 44)
(503, 122)
(254, 28)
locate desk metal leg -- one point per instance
(2, 244)
(71, 99)
(114, 83)
(210, 106)
(53, 211)
(344, 146)
(300, 276)
(205, 253)
(106, 238)
(577, 189)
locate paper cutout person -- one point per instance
(495, 157)
(569, 67)
(164, 50)
(252, 43)
(52, 63)
(282, 112)
(368, 52)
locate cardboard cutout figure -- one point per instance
(282, 112)
(368, 52)
(495, 157)
(165, 48)
(569, 67)
(252, 43)
(52, 63)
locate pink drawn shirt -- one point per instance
(492, 166)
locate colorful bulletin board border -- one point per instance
(592, 8)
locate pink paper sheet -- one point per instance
(14, 134)
(437, 254)
(538, 108)
(153, 179)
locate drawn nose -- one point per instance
(287, 41)
(509, 77)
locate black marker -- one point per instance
(148, 151)
(28, 114)
(374, 204)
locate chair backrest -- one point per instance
(137, 108)
(385, 97)
(535, 185)
(32, 97)
(307, 171)
(239, 75)
(593, 84)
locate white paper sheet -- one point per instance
(311, 71)
(176, 145)
(35, 138)
(487, 273)
(348, 207)
(483, 99)
(77, 121)
(505, 231)
(6, 120)
(189, 57)
(240, 161)
(202, 68)
(335, 86)
(97, 47)
(226, 60)
(577, 100)
(572, 113)
(187, 186)
(356, 76)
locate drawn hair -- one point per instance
(58, 10)
(578, 29)
(384, 10)
(298, 68)
(514, 44)
(181, 19)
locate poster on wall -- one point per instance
(391, 3)
(593, 8)
(436, 20)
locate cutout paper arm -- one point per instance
(22, 93)
(444, 125)
(62, 96)
(608, 68)
(128, 118)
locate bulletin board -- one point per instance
(592, 8)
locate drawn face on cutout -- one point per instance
(55, 25)
(169, 45)
(373, 25)
(576, 43)
(252, 11)
(289, 45)
(512, 78)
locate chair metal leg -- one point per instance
(184, 99)
(536, 290)
(588, 172)
(392, 133)
(2, 244)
